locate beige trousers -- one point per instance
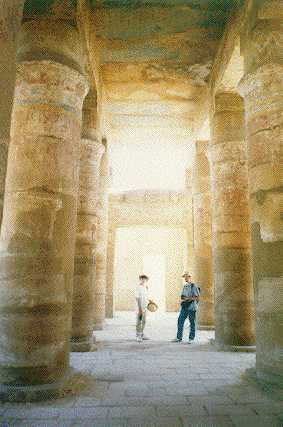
(140, 324)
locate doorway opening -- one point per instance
(159, 252)
(155, 268)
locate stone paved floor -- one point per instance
(155, 383)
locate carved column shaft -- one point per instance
(262, 88)
(39, 220)
(189, 220)
(109, 298)
(91, 150)
(202, 268)
(101, 244)
(11, 14)
(234, 308)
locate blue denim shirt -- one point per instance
(191, 290)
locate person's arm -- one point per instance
(194, 297)
(196, 294)
(191, 298)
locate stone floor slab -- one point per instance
(156, 384)
(207, 421)
(255, 421)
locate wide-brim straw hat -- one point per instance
(152, 306)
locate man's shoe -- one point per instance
(145, 338)
(176, 340)
(139, 339)
(190, 341)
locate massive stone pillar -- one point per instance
(202, 268)
(39, 218)
(84, 274)
(10, 15)
(234, 307)
(101, 243)
(262, 88)
(189, 220)
(109, 297)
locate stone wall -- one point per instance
(166, 247)
(158, 223)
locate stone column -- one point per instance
(262, 88)
(11, 15)
(84, 274)
(101, 243)
(109, 298)
(231, 246)
(202, 269)
(189, 220)
(39, 219)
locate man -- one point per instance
(189, 305)
(142, 303)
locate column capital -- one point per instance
(41, 39)
(53, 81)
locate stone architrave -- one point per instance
(91, 151)
(39, 218)
(109, 297)
(101, 243)
(202, 268)
(262, 88)
(231, 242)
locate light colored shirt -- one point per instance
(191, 290)
(142, 295)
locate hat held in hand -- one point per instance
(152, 306)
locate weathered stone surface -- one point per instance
(148, 207)
(202, 267)
(153, 63)
(109, 297)
(91, 151)
(189, 218)
(101, 242)
(261, 87)
(160, 252)
(38, 230)
(10, 21)
(234, 307)
(171, 210)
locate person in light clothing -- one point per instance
(142, 303)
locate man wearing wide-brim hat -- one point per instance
(189, 306)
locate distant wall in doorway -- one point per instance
(135, 247)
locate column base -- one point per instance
(268, 379)
(266, 382)
(98, 326)
(206, 327)
(234, 348)
(80, 345)
(35, 393)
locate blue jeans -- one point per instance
(184, 313)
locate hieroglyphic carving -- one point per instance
(10, 18)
